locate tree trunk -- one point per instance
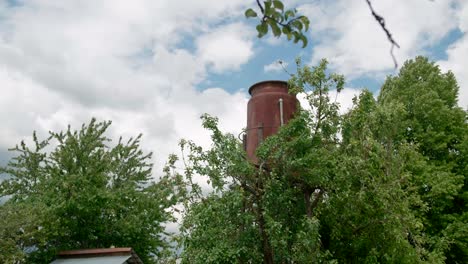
(267, 251)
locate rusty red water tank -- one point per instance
(270, 107)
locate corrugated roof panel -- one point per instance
(93, 260)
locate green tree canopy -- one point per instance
(383, 183)
(432, 121)
(77, 189)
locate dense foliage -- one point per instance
(433, 122)
(384, 183)
(74, 190)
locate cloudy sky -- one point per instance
(154, 67)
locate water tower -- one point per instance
(270, 107)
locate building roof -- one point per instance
(98, 255)
(93, 260)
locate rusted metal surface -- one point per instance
(264, 115)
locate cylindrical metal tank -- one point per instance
(268, 109)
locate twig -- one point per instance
(280, 62)
(260, 6)
(381, 22)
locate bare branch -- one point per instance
(381, 22)
(284, 68)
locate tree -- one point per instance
(433, 122)
(388, 166)
(74, 190)
(329, 188)
(18, 231)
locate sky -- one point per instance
(154, 67)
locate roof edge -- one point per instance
(267, 81)
(95, 252)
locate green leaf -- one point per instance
(274, 27)
(297, 24)
(296, 36)
(304, 40)
(262, 29)
(305, 21)
(277, 16)
(268, 9)
(289, 14)
(278, 5)
(250, 13)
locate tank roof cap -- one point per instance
(264, 82)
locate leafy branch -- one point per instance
(280, 21)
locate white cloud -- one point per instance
(64, 62)
(354, 43)
(226, 47)
(276, 66)
(22, 102)
(457, 54)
